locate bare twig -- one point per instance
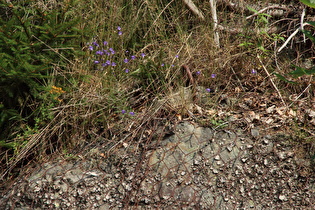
(299, 96)
(302, 22)
(230, 30)
(273, 84)
(266, 8)
(291, 36)
(215, 22)
(190, 4)
(238, 79)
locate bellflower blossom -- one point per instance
(112, 50)
(99, 52)
(119, 30)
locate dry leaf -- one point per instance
(270, 109)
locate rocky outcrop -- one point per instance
(194, 168)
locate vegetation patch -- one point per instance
(74, 73)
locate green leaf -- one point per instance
(252, 9)
(310, 3)
(298, 72)
(68, 36)
(246, 44)
(309, 35)
(312, 23)
(311, 71)
(283, 78)
(10, 145)
(302, 71)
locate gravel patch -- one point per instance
(194, 168)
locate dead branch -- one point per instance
(273, 84)
(215, 22)
(242, 7)
(269, 8)
(190, 4)
(230, 30)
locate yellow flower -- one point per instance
(56, 90)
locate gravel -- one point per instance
(195, 168)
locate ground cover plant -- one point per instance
(97, 71)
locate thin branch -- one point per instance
(273, 84)
(190, 4)
(291, 36)
(215, 22)
(302, 22)
(264, 9)
(299, 96)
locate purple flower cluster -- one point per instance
(124, 112)
(119, 31)
(105, 56)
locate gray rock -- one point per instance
(195, 168)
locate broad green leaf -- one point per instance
(311, 71)
(311, 23)
(310, 3)
(302, 71)
(283, 78)
(309, 35)
(298, 72)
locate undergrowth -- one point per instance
(73, 72)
